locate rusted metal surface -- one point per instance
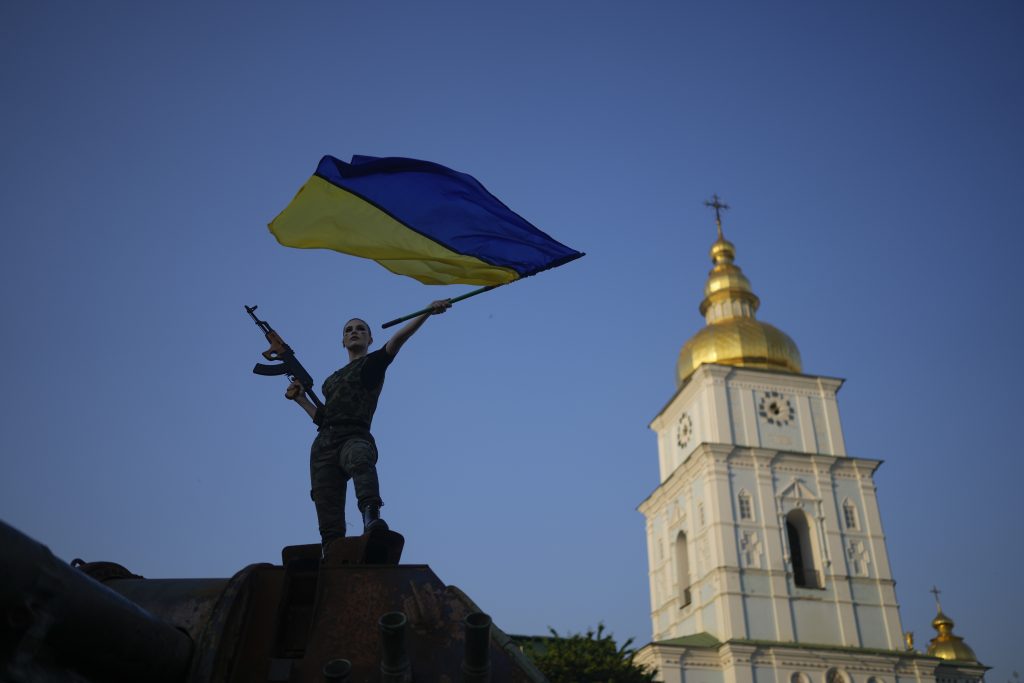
(240, 645)
(188, 604)
(347, 619)
(356, 616)
(380, 546)
(352, 598)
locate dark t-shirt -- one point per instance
(351, 393)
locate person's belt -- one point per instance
(348, 423)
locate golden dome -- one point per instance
(947, 645)
(741, 342)
(733, 335)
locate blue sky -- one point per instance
(873, 156)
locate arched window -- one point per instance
(849, 514)
(802, 550)
(834, 675)
(745, 505)
(683, 570)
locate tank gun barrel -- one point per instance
(52, 614)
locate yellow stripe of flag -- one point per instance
(324, 216)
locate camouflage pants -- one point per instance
(333, 460)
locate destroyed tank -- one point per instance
(357, 616)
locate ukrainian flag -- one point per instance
(416, 218)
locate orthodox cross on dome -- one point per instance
(718, 205)
(935, 591)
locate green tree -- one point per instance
(592, 657)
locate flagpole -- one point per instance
(428, 309)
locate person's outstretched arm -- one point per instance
(396, 342)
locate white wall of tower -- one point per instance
(724, 405)
(739, 565)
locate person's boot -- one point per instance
(372, 520)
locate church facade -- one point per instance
(766, 552)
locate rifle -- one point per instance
(289, 365)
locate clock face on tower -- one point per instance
(776, 409)
(684, 430)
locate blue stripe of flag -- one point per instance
(449, 207)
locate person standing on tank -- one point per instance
(344, 448)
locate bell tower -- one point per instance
(762, 527)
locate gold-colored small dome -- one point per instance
(725, 275)
(733, 335)
(947, 645)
